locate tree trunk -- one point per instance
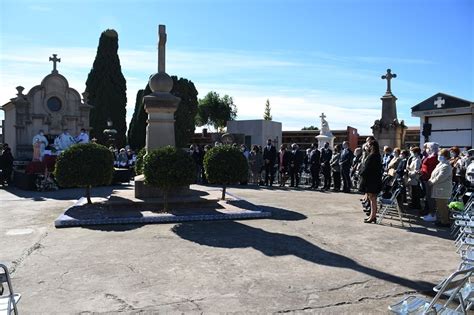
(223, 193)
(88, 194)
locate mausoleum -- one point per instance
(256, 131)
(52, 106)
(446, 119)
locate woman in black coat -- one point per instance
(371, 178)
(6, 165)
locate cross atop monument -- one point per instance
(54, 59)
(161, 48)
(389, 76)
(322, 116)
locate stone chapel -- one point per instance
(52, 106)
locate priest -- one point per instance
(41, 142)
(64, 141)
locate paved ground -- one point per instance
(314, 255)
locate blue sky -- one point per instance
(306, 56)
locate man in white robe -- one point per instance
(83, 137)
(43, 142)
(64, 141)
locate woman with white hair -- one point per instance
(441, 183)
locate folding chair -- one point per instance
(389, 206)
(466, 294)
(450, 287)
(7, 302)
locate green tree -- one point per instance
(168, 168)
(185, 123)
(310, 128)
(137, 128)
(185, 114)
(267, 115)
(84, 165)
(215, 110)
(225, 165)
(106, 86)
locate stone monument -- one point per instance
(161, 104)
(325, 134)
(388, 130)
(160, 107)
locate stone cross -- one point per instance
(389, 76)
(439, 102)
(161, 48)
(322, 116)
(54, 59)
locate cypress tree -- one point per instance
(106, 86)
(185, 114)
(137, 128)
(267, 114)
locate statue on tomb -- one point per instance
(63, 141)
(39, 144)
(325, 131)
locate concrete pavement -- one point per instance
(314, 255)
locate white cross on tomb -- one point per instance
(439, 102)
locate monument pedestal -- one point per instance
(160, 107)
(322, 139)
(392, 136)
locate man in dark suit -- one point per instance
(296, 159)
(326, 155)
(345, 162)
(315, 165)
(269, 157)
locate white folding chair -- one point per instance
(466, 294)
(7, 301)
(450, 287)
(387, 206)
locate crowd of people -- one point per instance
(425, 177)
(124, 158)
(317, 168)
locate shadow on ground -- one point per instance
(230, 235)
(277, 214)
(65, 193)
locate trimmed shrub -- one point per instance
(225, 165)
(139, 162)
(168, 168)
(85, 165)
